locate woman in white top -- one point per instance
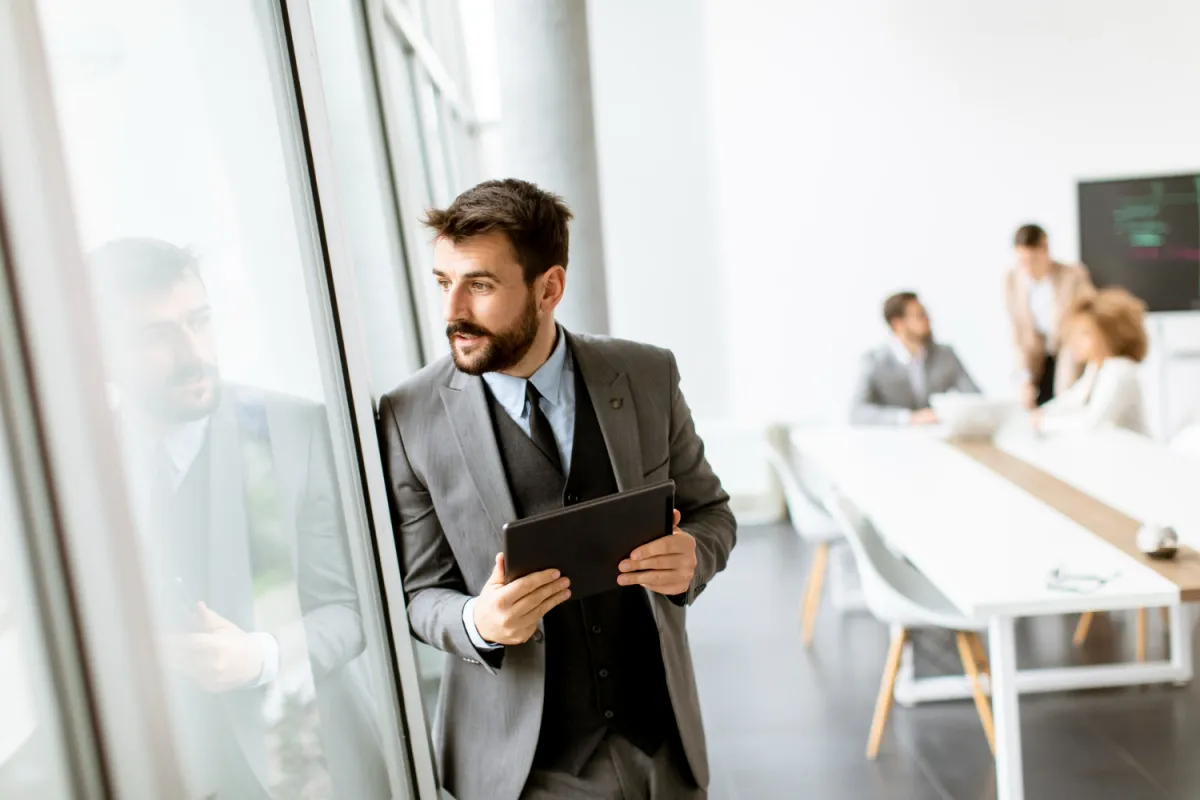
(1106, 332)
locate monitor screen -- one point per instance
(1144, 234)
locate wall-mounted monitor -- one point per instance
(1144, 234)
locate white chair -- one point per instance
(898, 595)
(1187, 440)
(811, 522)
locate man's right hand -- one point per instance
(926, 416)
(508, 614)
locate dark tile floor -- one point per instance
(785, 722)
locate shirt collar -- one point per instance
(509, 390)
(901, 352)
(183, 444)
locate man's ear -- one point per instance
(554, 282)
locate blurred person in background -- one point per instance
(1106, 333)
(240, 522)
(1037, 291)
(897, 380)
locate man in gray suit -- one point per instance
(547, 697)
(896, 380)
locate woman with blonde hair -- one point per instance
(1105, 332)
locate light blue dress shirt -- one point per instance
(555, 382)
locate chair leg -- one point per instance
(966, 651)
(981, 658)
(1143, 621)
(883, 705)
(812, 595)
(1085, 625)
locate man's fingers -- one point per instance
(532, 601)
(651, 577)
(675, 543)
(673, 561)
(514, 591)
(497, 576)
(678, 516)
(551, 602)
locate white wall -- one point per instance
(865, 147)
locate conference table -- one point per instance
(990, 522)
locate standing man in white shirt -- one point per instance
(1037, 291)
(897, 379)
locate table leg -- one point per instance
(1181, 642)
(1005, 709)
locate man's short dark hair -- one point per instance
(124, 268)
(534, 220)
(1030, 236)
(896, 306)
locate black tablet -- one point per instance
(588, 542)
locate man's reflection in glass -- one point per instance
(245, 547)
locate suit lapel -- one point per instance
(467, 409)
(612, 399)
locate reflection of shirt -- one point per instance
(182, 445)
(1041, 305)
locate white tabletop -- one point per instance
(986, 544)
(1134, 474)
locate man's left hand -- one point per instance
(220, 657)
(665, 565)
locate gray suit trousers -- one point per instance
(619, 771)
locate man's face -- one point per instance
(914, 324)
(168, 363)
(492, 315)
(1033, 260)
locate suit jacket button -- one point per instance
(537, 636)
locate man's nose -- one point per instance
(455, 307)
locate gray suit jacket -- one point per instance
(883, 392)
(274, 507)
(450, 498)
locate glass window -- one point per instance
(370, 217)
(33, 762)
(191, 191)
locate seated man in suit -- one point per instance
(897, 379)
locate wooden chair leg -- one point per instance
(966, 651)
(1143, 621)
(883, 705)
(981, 658)
(1085, 625)
(812, 596)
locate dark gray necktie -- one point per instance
(539, 427)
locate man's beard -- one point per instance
(495, 352)
(172, 410)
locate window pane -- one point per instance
(194, 207)
(33, 764)
(370, 219)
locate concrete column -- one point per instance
(549, 136)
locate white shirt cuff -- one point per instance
(473, 632)
(904, 416)
(270, 654)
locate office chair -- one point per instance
(899, 595)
